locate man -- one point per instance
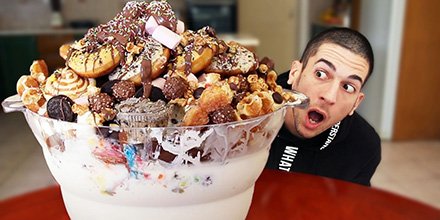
(329, 138)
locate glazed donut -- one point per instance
(66, 82)
(95, 64)
(131, 70)
(236, 60)
(201, 44)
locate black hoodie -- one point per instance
(350, 150)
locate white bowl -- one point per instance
(204, 172)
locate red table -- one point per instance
(278, 195)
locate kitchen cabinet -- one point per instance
(19, 48)
(16, 55)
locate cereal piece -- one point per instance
(25, 82)
(263, 68)
(250, 106)
(39, 70)
(132, 48)
(60, 107)
(271, 79)
(238, 83)
(256, 83)
(33, 99)
(255, 104)
(268, 62)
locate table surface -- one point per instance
(278, 195)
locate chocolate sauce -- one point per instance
(163, 14)
(146, 77)
(188, 57)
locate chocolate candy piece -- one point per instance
(155, 95)
(123, 90)
(60, 107)
(277, 98)
(198, 92)
(223, 115)
(101, 101)
(175, 87)
(237, 98)
(107, 86)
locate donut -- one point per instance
(132, 69)
(234, 61)
(94, 64)
(196, 49)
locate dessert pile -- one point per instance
(142, 68)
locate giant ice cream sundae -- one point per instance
(151, 121)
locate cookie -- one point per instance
(60, 107)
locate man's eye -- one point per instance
(349, 88)
(321, 74)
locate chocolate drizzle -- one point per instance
(146, 77)
(188, 57)
(162, 12)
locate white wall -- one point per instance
(381, 22)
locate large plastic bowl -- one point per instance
(205, 172)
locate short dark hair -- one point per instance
(344, 37)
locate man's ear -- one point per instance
(295, 71)
(357, 103)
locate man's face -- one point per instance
(332, 80)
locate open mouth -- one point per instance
(315, 117)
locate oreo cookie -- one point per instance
(60, 107)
